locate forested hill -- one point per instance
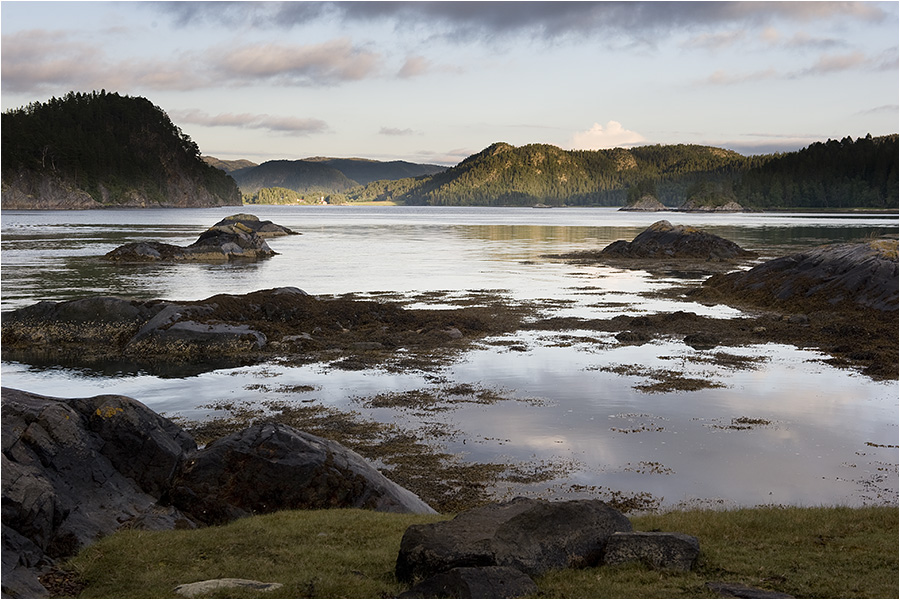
(322, 176)
(103, 149)
(834, 174)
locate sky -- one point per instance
(435, 82)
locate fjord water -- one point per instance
(829, 436)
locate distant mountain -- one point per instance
(322, 175)
(302, 176)
(845, 174)
(363, 171)
(102, 149)
(228, 165)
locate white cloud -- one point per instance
(272, 123)
(609, 136)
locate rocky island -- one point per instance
(238, 237)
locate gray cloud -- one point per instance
(550, 20)
(279, 124)
(395, 131)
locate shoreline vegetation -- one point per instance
(812, 552)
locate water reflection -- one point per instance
(817, 434)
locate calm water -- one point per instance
(824, 443)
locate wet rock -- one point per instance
(701, 341)
(632, 337)
(739, 590)
(659, 550)
(475, 582)
(662, 240)
(270, 467)
(252, 223)
(238, 237)
(862, 273)
(533, 536)
(210, 586)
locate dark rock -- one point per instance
(673, 551)
(701, 341)
(862, 273)
(270, 467)
(533, 536)
(739, 590)
(77, 469)
(662, 240)
(632, 337)
(475, 582)
(252, 223)
(238, 237)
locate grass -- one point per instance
(806, 552)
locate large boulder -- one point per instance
(475, 582)
(533, 536)
(75, 470)
(270, 466)
(862, 273)
(662, 240)
(656, 549)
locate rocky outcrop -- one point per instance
(26, 190)
(645, 203)
(694, 205)
(271, 467)
(252, 223)
(238, 237)
(862, 274)
(662, 240)
(533, 536)
(75, 470)
(475, 582)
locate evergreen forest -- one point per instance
(113, 147)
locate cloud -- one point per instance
(278, 124)
(610, 136)
(413, 67)
(832, 63)
(714, 41)
(394, 131)
(549, 20)
(329, 62)
(722, 77)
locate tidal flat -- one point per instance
(588, 387)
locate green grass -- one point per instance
(809, 552)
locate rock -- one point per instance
(238, 237)
(862, 273)
(75, 470)
(270, 467)
(694, 205)
(475, 582)
(701, 341)
(261, 228)
(532, 536)
(200, 588)
(667, 241)
(646, 203)
(739, 590)
(673, 551)
(632, 337)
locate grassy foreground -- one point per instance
(805, 552)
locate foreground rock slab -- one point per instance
(200, 588)
(533, 536)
